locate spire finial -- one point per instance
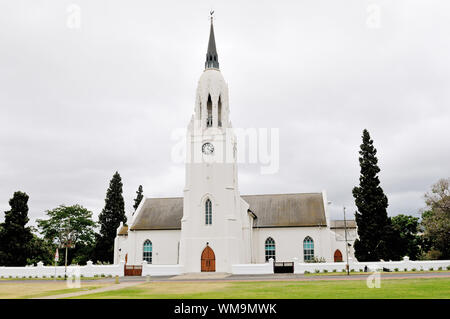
(212, 59)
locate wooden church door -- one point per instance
(337, 256)
(208, 260)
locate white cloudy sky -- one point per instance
(78, 104)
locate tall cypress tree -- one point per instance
(15, 237)
(109, 219)
(139, 197)
(377, 238)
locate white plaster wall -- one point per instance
(300, 268)
(161, 270)
(164, 246)
(40, 271)
(289, 242)
(120, 248)
(253, 269)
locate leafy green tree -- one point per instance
(377, 238)
(41, 250)
(139, 197)
(408, 228)
(68, 227)
(109, 219)
(14, 235)
(436, 221)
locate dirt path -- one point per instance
(88, 292)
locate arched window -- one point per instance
(147, 252)
(270, 248)
(219, 111)
(308, 249)
(209, 120)
(208, 212)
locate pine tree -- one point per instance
(138, 198)
(109, 219)
(377, 238)
(15, 237)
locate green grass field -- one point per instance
(33, 289)
(338, 289)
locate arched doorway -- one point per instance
(337, 256)
(208, 260)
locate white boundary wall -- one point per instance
(161, 270)
(300, 268)
(253, 269)
(91, 270)
(41, 271)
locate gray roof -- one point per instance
(287, 210)
(212, 59)
(275, 210)
(340, 224)
(159, 213)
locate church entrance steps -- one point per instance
(201, 275)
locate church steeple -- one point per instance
(212, 59)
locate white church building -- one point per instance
(213, 227)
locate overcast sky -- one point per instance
(77, 104)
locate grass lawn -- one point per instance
(349, 289)
(31, 289)
(352, 273)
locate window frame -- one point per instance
(269, 249)
(208, 212)
(308, 249)
(147, 255)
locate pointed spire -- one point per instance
(212, 59)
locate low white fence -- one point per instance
(161, 270)
(403, 265)
(253, 269)
(41, 271)
(91, 270)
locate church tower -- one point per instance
(215, 232)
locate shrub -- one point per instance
(395, 269)
(334, 270)
(30, 276)
(52, 276)
(44, 276)
(440, 268)
(10, 276)
(360, 270)
(448, 267)
(352, 270)
(325, 270)
(81, 276)
(421, 269)
(103, 275)
(413, 269)
(109, 276)
(59, 276)
(431, 269)
(95, 276)
(406, 269)
(343, 270)
(306, 272)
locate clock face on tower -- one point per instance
(208, 148)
